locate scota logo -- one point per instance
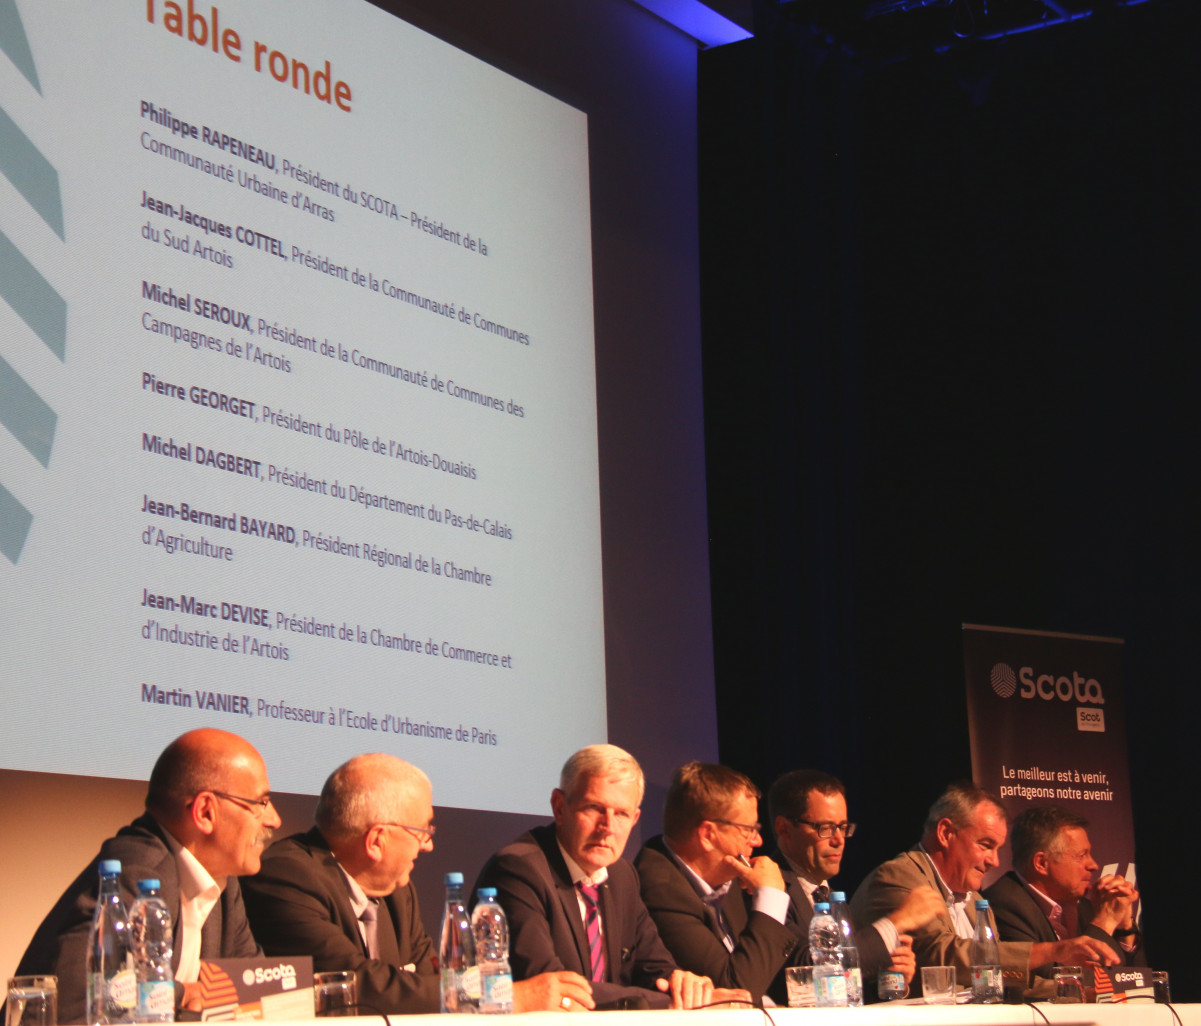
(1047, 686)
(284, 971)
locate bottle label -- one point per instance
(830, 989)
(987, 982)
(471, 982)
(123, 989)
(498, 992)
(156, 999)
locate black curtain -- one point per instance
(951, 361)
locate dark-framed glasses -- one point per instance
(827, 829)
(749, 830)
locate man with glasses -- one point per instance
(342, 893)
(808, 810)
(964, 831)
(208, 817)
(1050, 894)
(573, 902)
(720, 913)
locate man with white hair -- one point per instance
(341, 893)
(573, 903)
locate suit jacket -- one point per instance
(546, 930)
(146, 852)
(873, 954)
(691, 933)
(936, 943)
(1021, 918)
(299, 904)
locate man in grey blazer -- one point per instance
(208, 817)
(965, 829)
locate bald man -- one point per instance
(342, 893)
(208, 817)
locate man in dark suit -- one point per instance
(208, 817)
(720, 914)
(342, 894)
(808, 810)
(1046, 897)
(573, 903)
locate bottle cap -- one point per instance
(146, 886)
(110, 867)
(981, 904)
(486, 892)
(822, 906)
(838, 895)
(454, 879)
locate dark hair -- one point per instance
(1037, 829)
(789, 795)
(699, 791)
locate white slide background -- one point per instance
(432, 134)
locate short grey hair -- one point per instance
(603, 761)
(958, 803)
(368, 789)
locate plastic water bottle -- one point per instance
(456, 952)
(988, 987)
(150, 940)
(491, 930)
(829, 978)
(112, 985)
(850, 953)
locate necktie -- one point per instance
(592, 927)
(371, 928)
(821, 893)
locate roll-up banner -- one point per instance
(1047, 722)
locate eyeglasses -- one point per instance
(827, 829)
(261, 803)
(749, 830)
(422, 834)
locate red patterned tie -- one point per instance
(592, 927)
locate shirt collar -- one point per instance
(194, 880)
(577, 874)
(358, 897)
(711, 895)
(1047, 905)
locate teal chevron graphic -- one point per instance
(26, 414)
(15, 521)
(31, 173)
(14, 43)
(33, 297)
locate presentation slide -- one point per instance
(297, 398)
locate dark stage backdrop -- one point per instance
(950, 376)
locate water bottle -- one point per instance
(491, 930)
(829, 978)
(850, 953)
(456, 952)
(112, 985)
(151, 943)
(988, 987)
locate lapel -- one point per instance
(571, 910)
(210, 933)
(611, 921)
(388, 931)
(733, 905)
